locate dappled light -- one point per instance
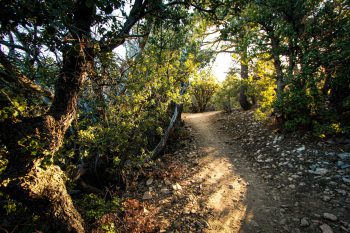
(226, 190)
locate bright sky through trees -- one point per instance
(221, 66)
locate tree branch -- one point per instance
(136, 13)
(12, 74)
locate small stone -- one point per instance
(319, 171)
(167, 182)
(333, 183)
(230, 186)
(326, 198)
(329, 216)
(253, 223)
(346, 180)
(344, 156)
(341, 191)
(149, 181)
(283, 221)
(300, 149)
(304, 222)
(177, 187)
(345, 166)
(165, 190)
(340, 163)
(326, 229)
(147, 195)
(292, 186)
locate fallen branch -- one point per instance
(174, 118)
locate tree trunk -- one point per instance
(30, 176)
(243, 99)
(43, 190)
(279, 76)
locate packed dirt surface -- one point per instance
(235, 174)
(239, 199)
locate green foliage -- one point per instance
(227, 95)
(94, 207)
(10, 206)
(260, 86)
(309, 46)
(119, 125)
(203, 87)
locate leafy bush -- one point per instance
(93, 207)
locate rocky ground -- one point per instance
(313, 174)
(234, 174)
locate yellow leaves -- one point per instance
(159, 130)
(5, 182)
(88, 134)
(336, 127)
(235, 56)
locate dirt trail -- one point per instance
(239, 199)
(230, 173)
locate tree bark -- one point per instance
(30, 176)
(243, 99)
(44, 190)
(279, 75)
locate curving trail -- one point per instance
(239, 199)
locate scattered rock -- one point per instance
(230, 186)
(326, 229)
(300, 149)
(283, 221)
(326, 198)
(147, 195)
(165, 190)
(167, 182)
(346, 180)
(176, 187)
(340, 163)
(344, 156)
(304, 222)
(253, 223)
(341, 191)
(319, 171)
(329, 216)
(149, 181)
(146, 211)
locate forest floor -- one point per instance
(232, 173)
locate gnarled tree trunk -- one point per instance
(30, 176)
